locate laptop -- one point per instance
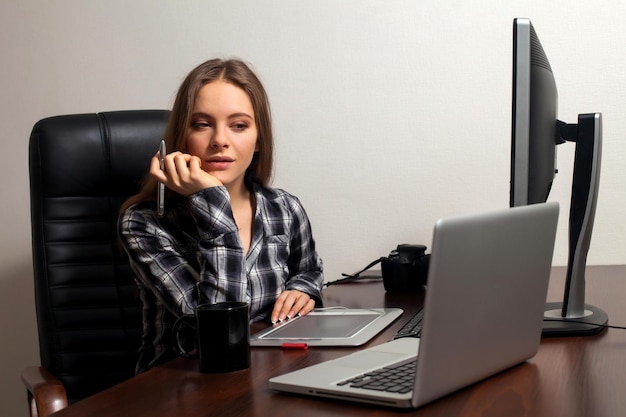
(483, 312)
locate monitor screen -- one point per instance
(534, 123)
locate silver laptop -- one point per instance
(487, 287)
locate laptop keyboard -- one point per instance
(397, 378)
(413, 327)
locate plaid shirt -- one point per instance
(193, 255)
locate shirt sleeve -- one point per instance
(305, 265)
(163, 265)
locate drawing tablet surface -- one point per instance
(334, 327)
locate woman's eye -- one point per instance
(240, 126)
(200, 125)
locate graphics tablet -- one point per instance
(329, 327)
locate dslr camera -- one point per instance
(405, 269)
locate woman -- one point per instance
(224, 235)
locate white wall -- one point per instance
(388, 114)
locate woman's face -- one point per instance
(223, 132)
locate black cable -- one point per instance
(356, 275)
(349, 278)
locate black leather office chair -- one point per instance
(82, 167)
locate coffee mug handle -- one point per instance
(189, 321)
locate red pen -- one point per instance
(296, 346)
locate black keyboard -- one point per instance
(413, 327)
(394, 378)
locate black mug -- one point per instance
(222, 336)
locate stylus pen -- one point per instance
(161, 189)
(295, 346)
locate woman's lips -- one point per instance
(219, 163)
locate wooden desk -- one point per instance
(568, 377)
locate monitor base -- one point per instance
(593, 322)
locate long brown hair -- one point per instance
(239, 74)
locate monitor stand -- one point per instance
(592, 321)
(573, 317)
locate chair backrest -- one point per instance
(82, 167)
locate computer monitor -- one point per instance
(536, 132)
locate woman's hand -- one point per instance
(183, 173)
(291, 303)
